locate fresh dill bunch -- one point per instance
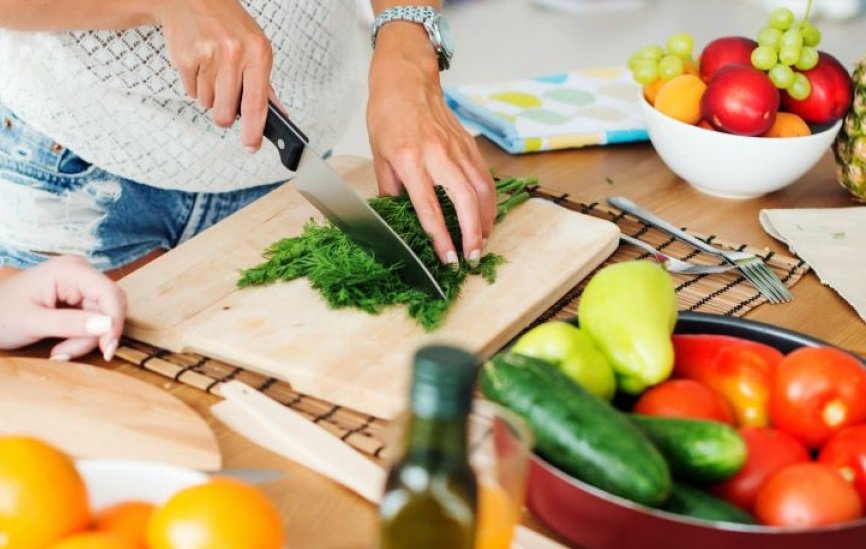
(346, 275)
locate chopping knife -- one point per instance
(338, 201)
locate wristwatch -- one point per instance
(430, 19)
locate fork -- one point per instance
(750, 266)
(674, 265)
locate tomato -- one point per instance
(846, 452)
(769, 451)
(806, 495)
(816, 392)
(684, 398)
(738, 369)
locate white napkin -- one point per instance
(831, 241)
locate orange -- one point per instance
(690, 67)
(42, 496)
(222, 513)
(127, 519)
(650, 91)
(680, 98)
(94, 540)
(788, 125)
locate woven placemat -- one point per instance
(725, 294)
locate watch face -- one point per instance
(444, 32)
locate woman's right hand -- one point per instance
(223, 58)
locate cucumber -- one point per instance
(577, 431)
(693, 502)
(696, 450)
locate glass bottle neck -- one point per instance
(437, 441)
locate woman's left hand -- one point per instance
(418, 143)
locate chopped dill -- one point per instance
(346, 275)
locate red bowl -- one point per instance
(594, 519)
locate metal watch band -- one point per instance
(416, 14)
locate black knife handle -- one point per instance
(290, 140)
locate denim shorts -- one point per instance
(52, 202)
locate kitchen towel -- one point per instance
(829, 240)
(560, 111)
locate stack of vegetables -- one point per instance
(714, 427)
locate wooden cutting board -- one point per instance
(187, 300)
(92, 412)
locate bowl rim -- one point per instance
(574, 482)
(835, 127)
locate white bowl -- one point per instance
(111, 481)
(733, 166)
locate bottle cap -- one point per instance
(442, 382)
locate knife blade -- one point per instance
(342, 205)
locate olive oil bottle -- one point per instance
(430, 498)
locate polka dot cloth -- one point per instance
(560, 111)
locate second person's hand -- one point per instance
(223, 58)
(418, 143)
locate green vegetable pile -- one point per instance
(346, 275)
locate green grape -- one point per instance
(646, 71)
(764, 58)
(811, 34)
(800, 88)
(782, 76)
(808, 59)
(789, 55)
(670, 66)
(651, 52)
(782, 19)
(681, 45)
(792, 39)
(770, 37)
(634, 61)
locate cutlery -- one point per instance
(250, 476)
(341, 204)
(750, 266)
(674, 265)
(286, 432)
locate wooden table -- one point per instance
(320, 514)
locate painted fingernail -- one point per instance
(108, 354)
(474, 258)
(61, 357)
(98, 325)
(251, 150)
(451, 259)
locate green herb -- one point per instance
(346, 275)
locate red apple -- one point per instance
(728, 50)
(740, 100)
(832, 92)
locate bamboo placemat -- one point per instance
(724, 294)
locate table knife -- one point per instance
(342, 205)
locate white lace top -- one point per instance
(114, 99)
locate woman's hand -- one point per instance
(417, 142)
(223, 58)
(67, 298)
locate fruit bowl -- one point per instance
(734, 166)
(111, 481)
(590, 517)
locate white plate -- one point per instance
(111, 481)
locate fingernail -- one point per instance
(98, 325)
(251, 150)
(451, 259)
(61, 357)
(108, 354)
(474, 258)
